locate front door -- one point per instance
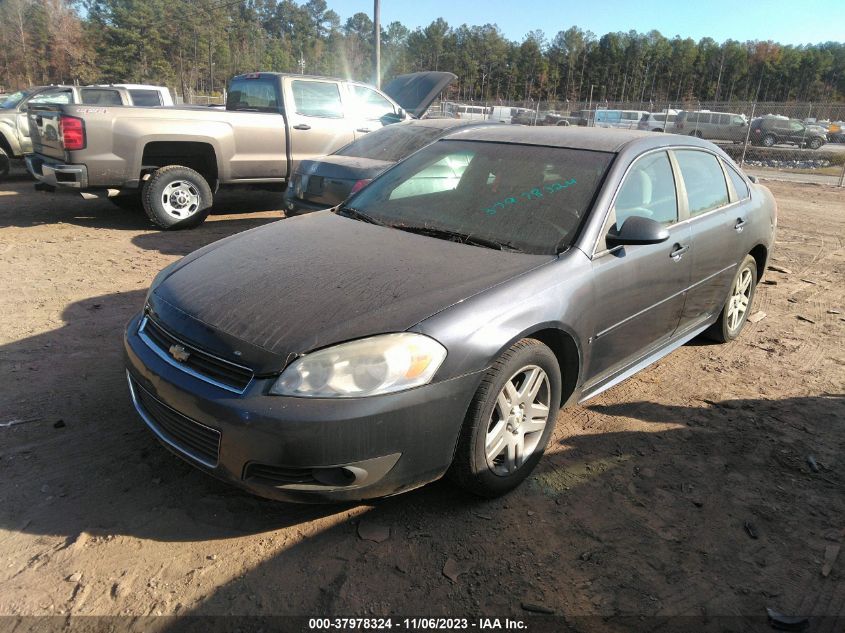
(317, 120)
(638, 291)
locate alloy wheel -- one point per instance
(518, 420)
(740, 297)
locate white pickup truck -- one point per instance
(172, 159)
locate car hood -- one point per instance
(415, 92)
(307, 282)
(345, 167)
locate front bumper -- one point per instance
(56, 174)
(299, 449)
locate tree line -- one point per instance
(195, 46)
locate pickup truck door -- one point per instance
(318, 123)
(371, 109)
(63, 96)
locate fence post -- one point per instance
(747, 135)
(842, 176)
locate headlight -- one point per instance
(368, 367)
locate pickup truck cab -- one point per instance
(172, 159)
(15, 139)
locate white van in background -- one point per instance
(623, 119)
(145, 95)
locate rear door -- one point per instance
(716, 232)
(318, 120)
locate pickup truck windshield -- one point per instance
(522, 197)
(253, 94)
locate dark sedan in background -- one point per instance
(434, 325)
(324, 182)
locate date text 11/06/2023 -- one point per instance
(417, 624)
(533, 194)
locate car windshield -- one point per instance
(13, 100)
(392, 143)
(517, 197)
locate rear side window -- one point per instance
(101, 96)
(704, 180)
(145, 97)
(739, 184)
(256, 94)
(317, 98)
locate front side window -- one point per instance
(528, 198)
(13, 100)
(370, 104)
(648, 191)
(704, 181)
(317, 98)
(795, 126)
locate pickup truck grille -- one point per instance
(188, 436)
(193, 360)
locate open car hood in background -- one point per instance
(416, 91)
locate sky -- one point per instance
(783, 21)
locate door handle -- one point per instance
(740, 224)
(302, 126)
(363, 129)
(678, 252)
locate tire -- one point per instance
(727, 327)
(176, 197)
(130, 202)
(504, 470)
(657, 129)
(816, 143)
(5, 163)
(768, 140)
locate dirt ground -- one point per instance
(685, 491)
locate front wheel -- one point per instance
(735, 313)
(176, 197)
(768, 140)
(509, 421)
(816, 143)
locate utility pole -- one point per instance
(377, 40)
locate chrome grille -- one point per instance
(198, 363)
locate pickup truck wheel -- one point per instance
(176, 197)
(4, 163)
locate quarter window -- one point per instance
(100, 96)
(317, 98)
(739, 184)
(704, 180)
(648, 191)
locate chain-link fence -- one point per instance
(792, 141)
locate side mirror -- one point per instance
(753, 179)
(637, 230)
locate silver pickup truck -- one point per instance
(15, 140)
(172, 159)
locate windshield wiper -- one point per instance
(355, 214)
(464, 238)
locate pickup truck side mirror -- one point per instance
(637, 230)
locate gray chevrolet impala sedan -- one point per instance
(437, 320)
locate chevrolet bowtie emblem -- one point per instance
(179, 353)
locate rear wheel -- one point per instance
(509, 421)
(768, 141)
(736, 310)
(176, 197)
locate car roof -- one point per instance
(592, 138)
